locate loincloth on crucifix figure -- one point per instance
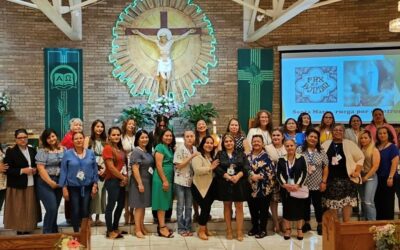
(164, 42)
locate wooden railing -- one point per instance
(44, 241)
(352, 235)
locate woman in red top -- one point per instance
(115, 181)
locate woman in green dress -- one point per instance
(162, 180)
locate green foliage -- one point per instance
(194, 113)
(139, 113)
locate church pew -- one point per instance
(350, 235)
(44, 241)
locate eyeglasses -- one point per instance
(22, 137)
(328, 117)
(338, 130)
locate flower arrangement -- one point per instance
(68, 243)
(4, 104)
(165, 106)
(386, 237)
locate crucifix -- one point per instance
(164, 42)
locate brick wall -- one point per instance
(25, 32)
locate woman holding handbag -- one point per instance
(291, 174)
(317, 173)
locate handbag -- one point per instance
(301, 193)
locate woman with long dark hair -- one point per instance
(48, 161)
(204, 186)
(326, 126)
(232, 184)
(240, 141)
(163, 180)
(128, 131)
(379, 120)
(96, 142)
(142, 162)
(115, 181)
(304, 122)
(387, 174)
(317, 174)
(355, 129)
(290, 132)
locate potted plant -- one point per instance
(139, 113)
(198, 112)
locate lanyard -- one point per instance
(289, 169)
(311, 157)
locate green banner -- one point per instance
(255, 82)
(63, 87)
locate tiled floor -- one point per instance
(276, 242)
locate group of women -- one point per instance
(327, 166)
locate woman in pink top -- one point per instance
(378, 120)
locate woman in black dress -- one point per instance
(232, 183)
(291, 174)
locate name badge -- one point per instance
(150, 170)
(290, 181)
(80, 175)
(231, 169)
(311, 169)
(335, 161)
(123, 170)
(338, 157)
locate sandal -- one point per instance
(298, 235)
(261, 235)
(286, 236)
(170, 233)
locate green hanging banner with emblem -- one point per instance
(63, 87)
(255, 83)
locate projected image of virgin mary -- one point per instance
(370, 83)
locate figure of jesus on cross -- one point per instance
(164, 42)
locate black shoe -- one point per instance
(319, 229)
(306, 227)
(261, 235)
(252, 232)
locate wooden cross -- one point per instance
(163, 24)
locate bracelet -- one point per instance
(390, 177)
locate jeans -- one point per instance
(79, 198)
(367, 195)
(115, 194)
(184, 202)
(51, 199)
